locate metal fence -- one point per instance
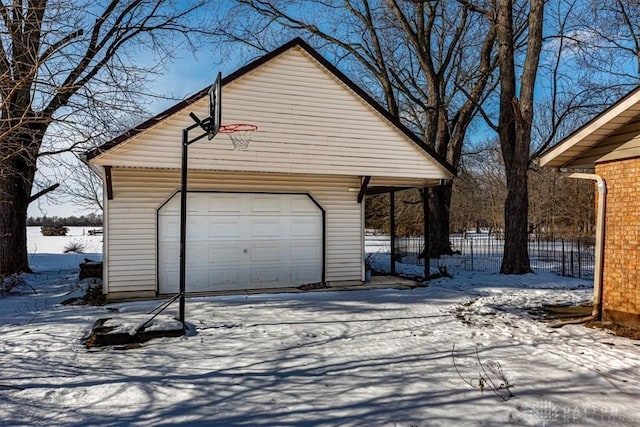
(573, 257)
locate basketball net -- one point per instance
(240, 134)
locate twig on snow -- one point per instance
(485, 379)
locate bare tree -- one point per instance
(430, 63)
(68, 68)
(589, 59)
(515, 125)
(559, 206)
(454, 53)
(587, 62)
(479, 190)
(81, 184)
(606, 38)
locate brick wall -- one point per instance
(621, 282)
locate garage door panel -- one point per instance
(266, 227)
(172, 206)
(306, 226)
(304, 251)
(224, 279)
(303, 204)
(266, 203)
(265, 251)
(196, 203)
(169, 249)
(169, 228)
(305, 274)
(168, 280)
(195, 225)
(224, 227)
(229, 254)
(262, 277)
(225, 204)
(242, 241)
(198, 253)
(197, 279)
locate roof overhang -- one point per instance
(593, 132)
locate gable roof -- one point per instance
(568, 151)
(297, 42)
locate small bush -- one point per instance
(94, 295)
(14, 284)
(75, 247)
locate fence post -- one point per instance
(571, 260)
(564, 259)
(392, 227)
(579, 261)
(471, 243)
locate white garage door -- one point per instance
(241, 241)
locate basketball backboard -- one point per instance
(215, 106)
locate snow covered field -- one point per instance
(39, 247)
(359, 358)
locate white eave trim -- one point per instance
(586, 136)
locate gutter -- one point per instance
(599, 249)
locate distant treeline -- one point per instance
(90, 220)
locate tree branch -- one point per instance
(43, 192)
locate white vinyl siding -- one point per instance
(138, 193)
(308, 122)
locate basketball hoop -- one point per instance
(240, 134)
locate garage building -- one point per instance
(287, 212)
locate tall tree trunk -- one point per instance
(13, 231)
(514, 128)
(16, 181)
(516, 214)
(439, 216)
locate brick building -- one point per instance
(607, 150)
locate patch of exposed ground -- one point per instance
(564, 314)
(618, 330)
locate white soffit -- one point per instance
(593, 131)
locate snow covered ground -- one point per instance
(358, 358)
(40, 247)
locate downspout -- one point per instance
(599, 249)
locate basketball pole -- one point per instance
(209, 127)
(205, 126)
